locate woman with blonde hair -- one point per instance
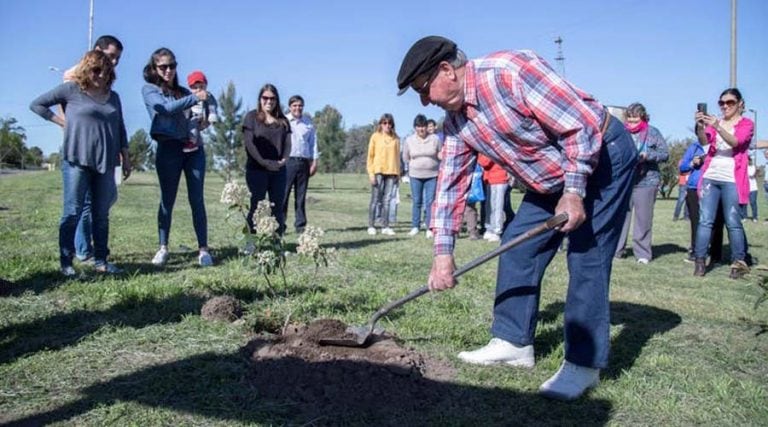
(95, 142)
(383, 167)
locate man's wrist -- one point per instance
(575, 191)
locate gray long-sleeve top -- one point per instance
(94, 132)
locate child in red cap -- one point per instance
(202, 112)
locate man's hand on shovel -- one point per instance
(441, 277)
(573, 205)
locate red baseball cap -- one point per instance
(196, 77)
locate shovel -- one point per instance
(357, 336)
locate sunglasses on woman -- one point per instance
(729, 102)
(164, 67)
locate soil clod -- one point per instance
(224, 308)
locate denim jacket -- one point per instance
(656, 151)
(167, 113)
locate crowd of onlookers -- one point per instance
(717, 175)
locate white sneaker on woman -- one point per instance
(414, 231)
(499, 351)
(372, 231)
(161, 256)
(388, 231)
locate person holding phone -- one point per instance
(724, 179)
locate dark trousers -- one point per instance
(590, 256)
(170, 163)
(262, 182)
(716, 242)
(297, 176)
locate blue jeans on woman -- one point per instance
(170, 162)
(262, 182)
(381, 194)
(423, 194)
(714, 193)
(78, 181)
(590, 256)
(752, 204)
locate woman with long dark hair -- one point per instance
(266, 134)
(166, 101)
(724, 180)
(94, 141)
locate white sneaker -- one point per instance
(643, 261)
(428, 234)
(570, 382)
(205, 259)
(487, 235)
(500, 351)
(493, 237)
(68, 271)
(414, 231)
(249, 249)
(161, 257)
(372, 231)
(388, 231)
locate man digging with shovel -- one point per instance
(571, 155)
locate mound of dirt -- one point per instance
(225, 308)
(343, 384)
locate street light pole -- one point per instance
(733, 43)
(753, 144)
(90, 27)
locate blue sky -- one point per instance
(668, 55)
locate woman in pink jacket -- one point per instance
(724, 179)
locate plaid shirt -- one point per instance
(526, 118)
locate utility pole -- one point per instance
(733, 43)
(90, 28)
(560, 58)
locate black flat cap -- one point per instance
(423, 56)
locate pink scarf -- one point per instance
(643, 125)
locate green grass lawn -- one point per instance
(133, 349)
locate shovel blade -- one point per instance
(354, 336)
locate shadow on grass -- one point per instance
(639, 324)
(230, 387)
(66, 329)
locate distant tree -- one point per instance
(55, 159)
(225, 141)
(330, 139)
(356, 148)
(12, 143)
(670, 169)
(33, 157)
(139, 148)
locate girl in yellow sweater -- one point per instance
(383, 170)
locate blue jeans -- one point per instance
(494, 208)
(170, 162)
(752, 204)
(262, 182)
(680, 205)
(714, 193)
(590, 256)
(78, 181)
(84, 232)
(423, 194)
(382, 194)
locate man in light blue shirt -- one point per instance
(302, 162)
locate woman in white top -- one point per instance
(421, 152)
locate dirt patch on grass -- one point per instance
(224, 308)
(330, 384)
